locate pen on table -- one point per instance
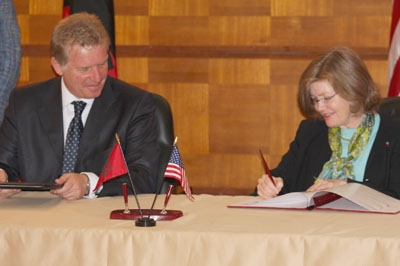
(125, 192)
(167, 196)
(266, 168)
(316, 179)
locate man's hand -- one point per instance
(6, 193)
(75, 186)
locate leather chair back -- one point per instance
(165, 140)
(390, 106)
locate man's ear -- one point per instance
(56, 66)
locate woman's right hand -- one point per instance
(266, 189)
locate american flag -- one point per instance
(394, 52)
(176, 170)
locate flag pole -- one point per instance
(129, 175)
(160, 186)
(158, 214)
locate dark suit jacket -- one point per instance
(32, 140)
(310, 150)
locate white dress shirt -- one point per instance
(68, 115)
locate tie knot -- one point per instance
(79, 106)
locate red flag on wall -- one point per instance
(175, 170)
(114, 167)
(394, 52)
(104, 9)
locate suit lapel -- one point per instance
(101, 121)
(99, 128)
(50, 116)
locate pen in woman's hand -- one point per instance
(266, 168)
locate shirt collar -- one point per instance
(68, 97)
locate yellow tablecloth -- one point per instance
(37, 228)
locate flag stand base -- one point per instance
(155, 215)
(145, 222)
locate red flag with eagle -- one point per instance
(175, 170)
(104, 9)
(114, 167)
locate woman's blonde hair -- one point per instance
(349, 77)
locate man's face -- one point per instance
(86, 71)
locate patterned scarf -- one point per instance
(342, 168)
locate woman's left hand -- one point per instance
(322, 184)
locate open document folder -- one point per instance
(349, 197)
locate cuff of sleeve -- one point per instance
(92, 184)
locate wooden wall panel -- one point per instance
(40, 29)
(229, 69)
(131, 8)
(134, 70)
(239, 8)
(239, 71)
(378, 70)
(190, 107)
(132, 30)
(287, 71)
(39, 69)
(178, 8)
(179, 31)
(178, 70)
(285, 74)
(312, 8)
(285, 115)
(235, 114)
(22, 6)
(288, 31)
(240, 31)
(361, 8)
(44, 7)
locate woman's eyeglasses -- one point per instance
(322, 99)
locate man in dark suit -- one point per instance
(34, 131)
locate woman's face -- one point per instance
(333, 108)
